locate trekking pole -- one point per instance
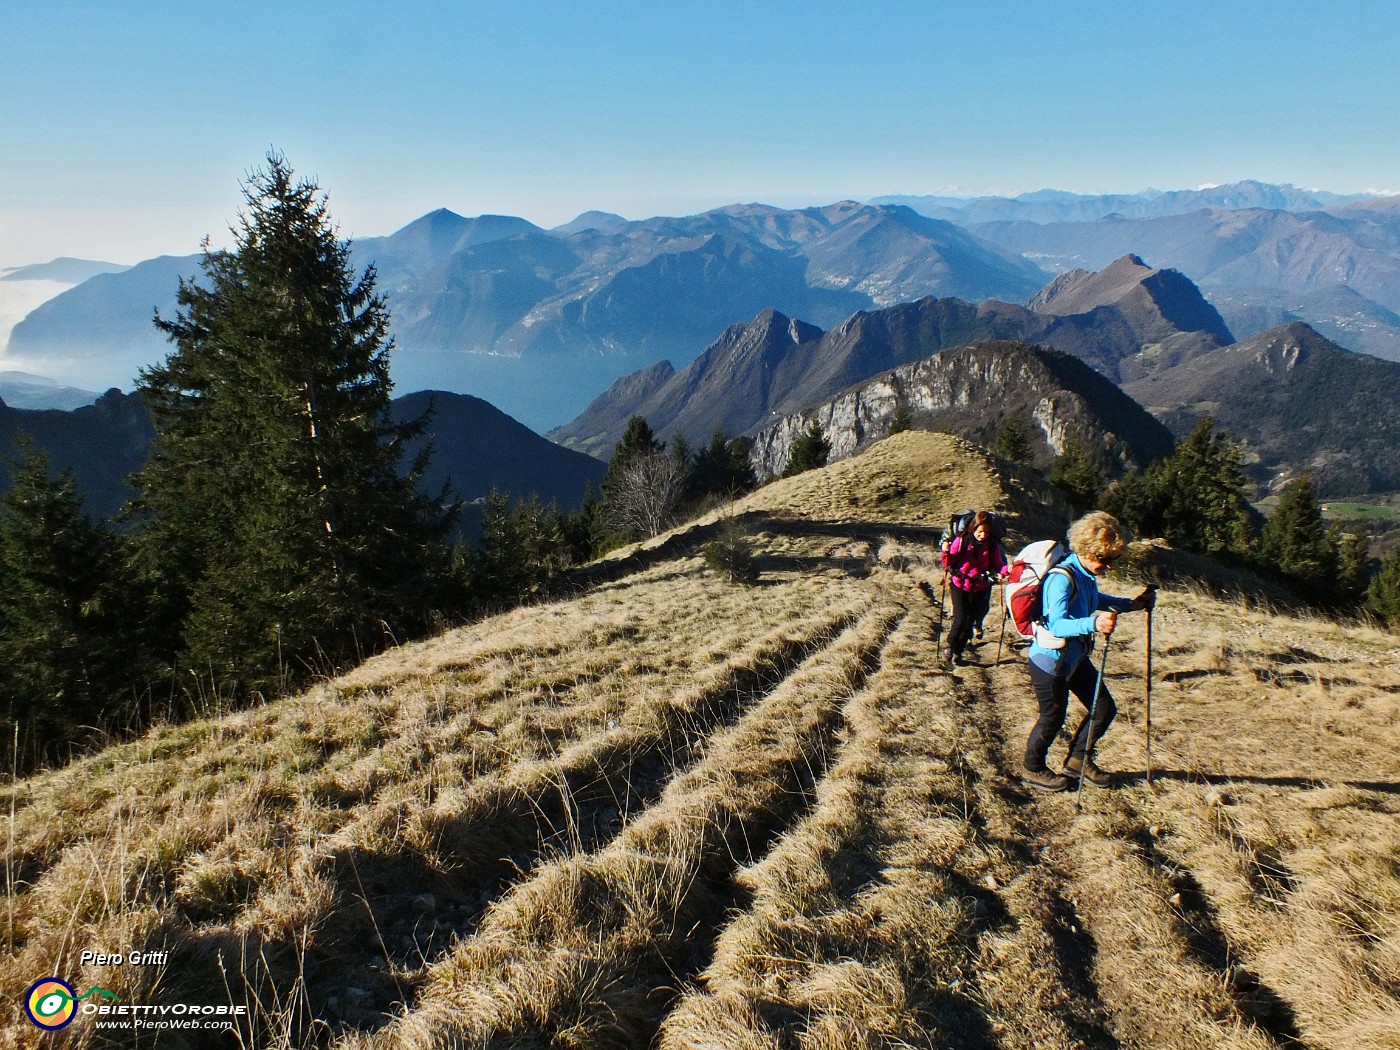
(1002, 636)
(1089, 729)
(942, 593)
(1149, 697)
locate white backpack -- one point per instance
(1026, 576)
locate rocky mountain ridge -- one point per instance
(775, 366)
(1298, 402)
(1312, 406)
(1247, 258)
(972, 391)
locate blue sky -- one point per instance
(126, 127)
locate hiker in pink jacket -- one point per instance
(974, 561)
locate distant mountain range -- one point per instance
(602, 317)
(99, 334)
(23, 390)
(63, 269)
(1050, 206)
(1338, 269)
(540, 321)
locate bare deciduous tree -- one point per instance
(646, 493)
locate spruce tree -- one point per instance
(1296, 544)
(278, 520)
(721, 469)
(1014, 441)
(1383, 596)
(69, 651)
(1353, 564)
(739, 477)
(1197, 498)
(1207, 508)
(637, 439)
(1078, 475)
(503, 569)
(810, 450)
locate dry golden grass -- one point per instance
(676, 811)
(1251, 895)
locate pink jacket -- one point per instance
(968, 560)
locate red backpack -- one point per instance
(1027, 575)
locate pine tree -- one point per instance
(1014, 441)
(279, 523)
(587, 531)
(721, 469)
(680, 453)
(1353, 562)
(810, 450)
(1197, 498)
(1296, 544)
(509, 562)
(1383, 596)
(637, 439)
(1207, 507)
(902, 420)
(69, 654)
(1078, 475)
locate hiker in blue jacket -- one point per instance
(1059, 663)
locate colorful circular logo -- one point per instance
(51, 1003)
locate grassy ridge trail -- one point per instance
(674, 811)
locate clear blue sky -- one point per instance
(126, 126)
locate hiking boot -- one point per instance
(960, 660)
(1044, 779)
(946, 655)
(1083, 768)
(977, 633)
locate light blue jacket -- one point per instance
(1069, 614)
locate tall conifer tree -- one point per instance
(280, 525)
(1383, 596)
(1296, 543)
(68, 652)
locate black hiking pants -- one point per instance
(1053, 696)
(968, 609)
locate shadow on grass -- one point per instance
(1127, 778)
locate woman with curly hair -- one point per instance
(1059, 664)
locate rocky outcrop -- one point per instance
(972, 391)
(775, 365)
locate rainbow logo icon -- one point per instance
(51, 1003)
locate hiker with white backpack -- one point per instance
(1062, 620)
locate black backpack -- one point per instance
(958, 524)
